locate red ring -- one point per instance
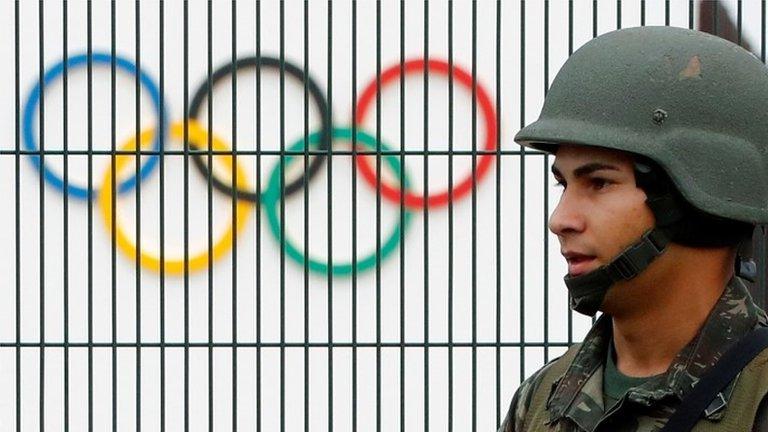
(438, 199)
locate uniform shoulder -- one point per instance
(523, 397)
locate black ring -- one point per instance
(297, 73)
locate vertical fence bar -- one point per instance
(762, 31)
(594, 35)
(522, 193)
(402, 205)
(306, 218)
(209, 233)
(546, 192)
(570, 51)
(690, 14)
(185, 137)
(378, 215)
(137, 148)
(715, 18)
(450, 213)
(642, 13)
(41, 189)
(258, 231)
(474, 213)
(498, 216)
(17, 202)
(65, 212)
(233, 208)
(282, 216)
(618, 14)
(161, 35)
(594, 18)
(354, 219)
(425, 212)
(113, 230)
(330, 221)
(738, 21)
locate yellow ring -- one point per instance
(199, 138)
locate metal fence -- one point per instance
(152, 285)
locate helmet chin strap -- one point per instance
(588, 290)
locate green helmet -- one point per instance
(689, 105)
(694, 103)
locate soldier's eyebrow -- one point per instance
(585, 169)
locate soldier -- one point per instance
(660, 137)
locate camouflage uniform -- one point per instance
(575, 401)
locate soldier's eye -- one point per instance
(599, 183)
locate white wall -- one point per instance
(85, 220)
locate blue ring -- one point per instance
(30, 108)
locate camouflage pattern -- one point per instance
(575, 401)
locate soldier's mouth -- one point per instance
(580, 264)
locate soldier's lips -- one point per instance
(579, 264)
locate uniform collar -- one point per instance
(734, 314)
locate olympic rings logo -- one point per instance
(197, 137)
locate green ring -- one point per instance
(272, 196)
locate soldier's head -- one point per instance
(661, 141)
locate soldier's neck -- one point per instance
(649, 336)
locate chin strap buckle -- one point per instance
(638, 256)
(625, 268)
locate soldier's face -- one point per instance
(601, 210)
